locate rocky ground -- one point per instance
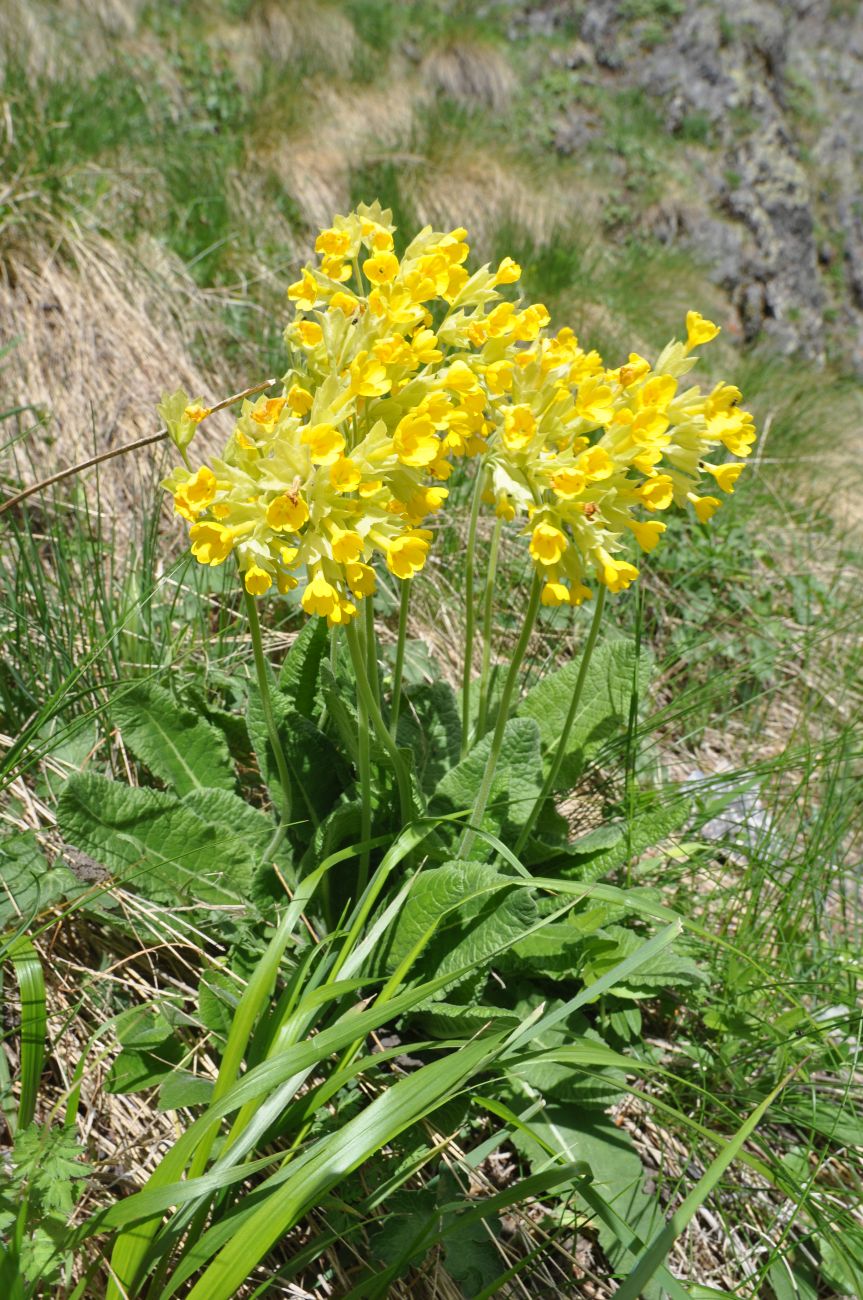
(770, 95)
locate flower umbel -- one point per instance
(398, 367)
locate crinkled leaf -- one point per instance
(298, 679)
(181, 748)
(27, 884)
(609, 847)
(603, 710)
(430, 726)
(467, 910)
(151, 840)
(669, 968)
(516, 786)
(317, 770)
(256, 828)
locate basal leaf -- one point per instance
(430, 726)
(517, 781)
(27, 883)
(465, 911)
(149, 839)
(298, 679)
(182, 749)
(602, 712)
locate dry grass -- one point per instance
(98, 338)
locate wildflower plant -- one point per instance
(399, 368)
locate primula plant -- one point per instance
(418, 877)
(400, 369)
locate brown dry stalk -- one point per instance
(121, 451)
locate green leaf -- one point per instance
(317, 769)
(517, 781)
(298, 679)
(430, 726)
(256, 828)
(602, 712)
(450, 1020)
(182, 749)
(458, 915)
(135, 1069)
(48, 1161)
(151, 840)
(27, 884)
(666, 969)
(182, 1090)
(577, 1133)
(603, 850)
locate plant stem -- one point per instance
(560, 751)
(502, 718)
(272, 729)
(487, 612)
(372, 646)
(470, 617)
(364, 764)
(366, 695)
(398, 670)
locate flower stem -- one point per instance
(372, 646)
(487, 612)
(560, 751)
(398, 670)
(364, 764)
(470, 613)
(502, 718)
(366, 695)
(272, 728)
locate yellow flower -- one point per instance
(508, 272)
(658, 492)
(406, 554)
(519, 426)
(320, 597)
(361, 579)
(382, 268)
(286, 511)
(299, 399)
(555, 593)
(617, 575)
(325, 443)
(547, 544)
(369, 376)
(257, 580)
(195, 495)
(704, 507)
(699, 330)
(347, 545)
(415, 442)
(310, 333)
(345, 474)
(305, 292)
(647, 533)
(726, 475)
(569, 483)
(211, 543)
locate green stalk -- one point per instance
(559, 753)
(372, 707)
(502, 718)
(371, 646)
(398, 670)
(272, 729)
(470, 618)
(487, 612)
(364, 765)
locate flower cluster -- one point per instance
(398, 366)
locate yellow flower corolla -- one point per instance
(399, 366)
